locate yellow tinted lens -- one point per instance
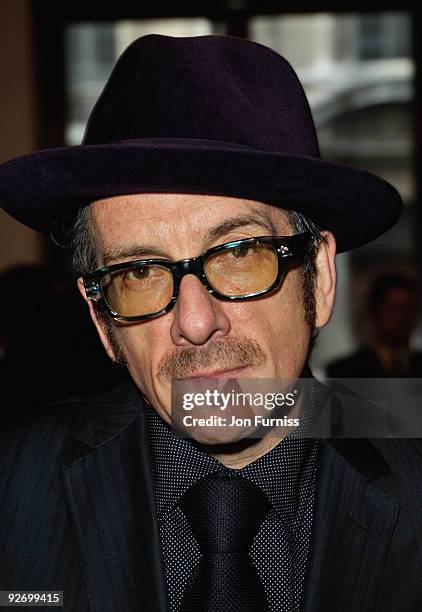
(136, 292)
(241, 270)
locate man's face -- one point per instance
(263, 337)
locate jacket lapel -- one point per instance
(110, 498)
(353, 526)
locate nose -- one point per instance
(198, 316)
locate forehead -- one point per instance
(162, 216)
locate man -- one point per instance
(207, 250)
(392, 307)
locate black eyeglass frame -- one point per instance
(288, 249)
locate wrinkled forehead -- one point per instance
(161, 218)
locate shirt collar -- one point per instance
(177, 463)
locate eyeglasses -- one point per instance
(239, 270)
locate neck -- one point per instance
(238, 454)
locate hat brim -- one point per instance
(44, 189)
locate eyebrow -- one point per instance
(228, 225)
(116, 253)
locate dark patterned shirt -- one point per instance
(286, 474)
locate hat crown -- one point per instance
(212, 115)
(218, 88)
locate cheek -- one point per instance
(277, 322)
(280, 314)
(143, 346)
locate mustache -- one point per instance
(225, 353)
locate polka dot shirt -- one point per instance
(286, 474)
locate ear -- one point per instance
(325, 281)
(97, 322)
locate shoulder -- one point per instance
(47, 417)
(35, 438)
(404, 459)
(400, 453)
(39, 433)
(391, 467)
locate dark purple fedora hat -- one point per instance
(207, 115)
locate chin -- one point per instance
(210, 436)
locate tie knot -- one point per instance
(224, 512)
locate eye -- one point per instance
(139, 273)
(146, 275)
(242, 251)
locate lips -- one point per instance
(222, 373)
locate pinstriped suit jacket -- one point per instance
(77, 514)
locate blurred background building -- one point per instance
(360, 70)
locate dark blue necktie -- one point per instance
(225, 514)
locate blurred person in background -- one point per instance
(393, 307)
